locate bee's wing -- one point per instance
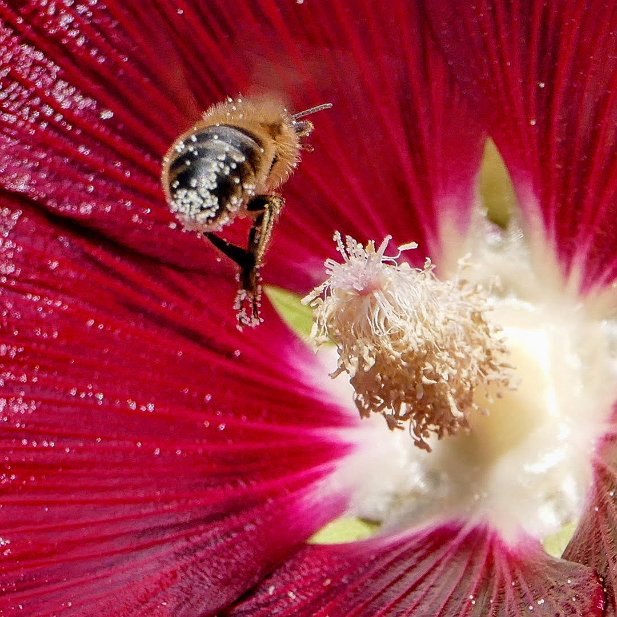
(172, 70)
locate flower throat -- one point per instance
(503, 379)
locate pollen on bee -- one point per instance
(416, 349)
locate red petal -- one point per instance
(398, 149)
(153, 460)
(87, 111)
(398, 153)
(443, 571)
(595, 540)
(545, 78)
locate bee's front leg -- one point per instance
(267, 208)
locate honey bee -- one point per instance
(228, 165)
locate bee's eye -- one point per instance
(303, 128)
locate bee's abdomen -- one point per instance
(211, 174)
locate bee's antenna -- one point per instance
(312, 110)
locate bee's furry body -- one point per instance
(228, 165)
(240, 149)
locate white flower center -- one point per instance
(526, 464)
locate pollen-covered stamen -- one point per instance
(416, 348)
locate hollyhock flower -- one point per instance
(157, 461)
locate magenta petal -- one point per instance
(595, 540)
(444, 571)
(544, 75)
(153, 460)
(94, 95)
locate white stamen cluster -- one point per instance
(416, 348)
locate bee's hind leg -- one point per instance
(247, 298)
(266, 209)
(238, 255)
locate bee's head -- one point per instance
(305, 127)
(287, 133)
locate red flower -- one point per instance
(154, 460)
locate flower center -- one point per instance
(509, 445)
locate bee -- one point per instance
(228, 165)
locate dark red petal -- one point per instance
(93, 95)
(595, 541)
(153, 460)
(448, 570)
(545, 78)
